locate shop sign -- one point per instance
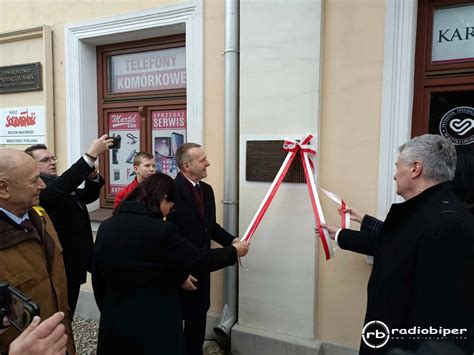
(23, 77)
(153, 70)
(125, 126)
(22, 125)
(457, 125)
(453, 34)
(168, 133)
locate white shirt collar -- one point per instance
(191, 181)
(13, 217)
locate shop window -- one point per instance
(444, 70)
(141, 102)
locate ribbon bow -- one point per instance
(305, 150)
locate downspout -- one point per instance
(231, 158)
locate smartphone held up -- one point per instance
(16, 306)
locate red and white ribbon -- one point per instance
(305, 150)
(346, 216)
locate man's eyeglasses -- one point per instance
(48, 159)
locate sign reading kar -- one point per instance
(453, 34)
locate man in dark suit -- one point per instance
(66, 203)
(422, 278)
(195, 216)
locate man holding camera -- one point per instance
(66, 203)
(30, 252)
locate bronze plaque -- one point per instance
(22, 77)
(264, 159)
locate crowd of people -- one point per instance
(46, 250)
(152, 259)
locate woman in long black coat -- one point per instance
(140, 263)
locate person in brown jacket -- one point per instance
(30, 253)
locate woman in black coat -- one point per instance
(140, 263)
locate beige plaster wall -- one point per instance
(214, 118)
(353, 34)
(15, 15)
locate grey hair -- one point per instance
(182, 154)
(436, 153)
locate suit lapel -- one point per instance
(187, 195)
(207, 201)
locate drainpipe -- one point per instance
(231, 158)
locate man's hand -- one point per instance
(47, 338)
(242, 247)
(331, 228)
(236, 240)
(100, 145)
(356, 216)
(188, 285)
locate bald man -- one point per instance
(30, 253)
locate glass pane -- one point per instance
(452, 115)
(126, 127)
(144, 71)
(453, 34)
(168, 133)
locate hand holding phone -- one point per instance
(117, 142)
(16, 306)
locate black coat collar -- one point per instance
(135, 207)
(439, 191)
(438, 195)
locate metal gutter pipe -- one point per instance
(231, 158)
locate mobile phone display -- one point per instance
(16, 311)
(177, 139)
(21, 309)
(162, 146)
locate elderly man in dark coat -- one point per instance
(66, 204)
(421, 287)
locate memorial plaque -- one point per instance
(22, 77)
(264, 159)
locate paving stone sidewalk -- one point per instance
(85, 336)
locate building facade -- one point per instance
(362, 76)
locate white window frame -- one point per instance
(397, 94)
(81, 40)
